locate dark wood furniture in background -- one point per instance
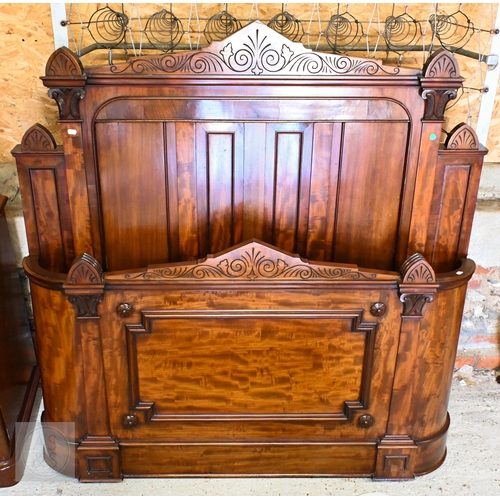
(19, 377)
(192, 316)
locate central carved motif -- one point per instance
(252, 262)
(259, 53)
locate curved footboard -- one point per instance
(251, 361)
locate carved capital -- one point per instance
(440, 83)
(436, 101)
(38, 138)
(414, 303)
(68, 102)
(462, 137)
(86, 305)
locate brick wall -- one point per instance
(480, 336)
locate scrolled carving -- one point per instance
(85, 271)
(462, 137)
(436, 101)
(258, 50)
(442, 64)
(38, 138)
(253, 261)
(416, 270)
(64, 62)
(86, 305)
(414, 303)
(68, 102)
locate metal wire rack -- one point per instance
(404, 34)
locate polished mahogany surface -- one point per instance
(249, 259)
(18, 381)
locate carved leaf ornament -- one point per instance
(257, 54)
(252, 262)
(38, 138)
(462, 137)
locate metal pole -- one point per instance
(58, 11)
(491, 83)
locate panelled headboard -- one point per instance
(172, 157)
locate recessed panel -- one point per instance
(132, 193)
(48, 221)
(232, 364)
(371, 186)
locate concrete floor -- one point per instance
(472, 466)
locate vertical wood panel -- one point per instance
(186, 188)
(29, 167)
(372, 173)
(134, 206)
(219, 152)
(47, 216)
(287, 172)
(448, 207)
(254, 173)
(172, 192)
(304, 189)
(220, 190)
(287, 184)
(323, 198)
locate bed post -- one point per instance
(98, 455)
(65, 77)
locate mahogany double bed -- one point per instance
(249, 260)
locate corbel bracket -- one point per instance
(418, 285)
(85, 286)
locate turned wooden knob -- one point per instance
(378, 309)
(124, 310)
(130, 421)
(365, 421)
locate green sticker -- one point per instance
(433, 137)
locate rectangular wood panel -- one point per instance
(182, 186)
(219, 153)
(287, 179)
(371, 184)
(249, 365)
(248, 459)
(134, 213)
(254, 183)
(48, 220)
